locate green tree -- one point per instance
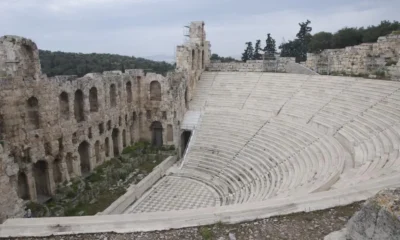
(257, 55)
(270, 46)
(372, 33)
(347, 37)
(62, 63)
(304, 37)
(290, 49)
(320, 41)
(248, 52)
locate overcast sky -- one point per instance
(154, 27)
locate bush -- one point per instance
(206, 233)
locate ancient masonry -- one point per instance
(55, 129)
(368, 59)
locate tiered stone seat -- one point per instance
(265, 136)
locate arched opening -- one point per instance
(33, 113)
(155, 91)
(185, 137)
(129, 92)
(157, 137)
(198, 59)
(70, 164)
(107, 146)
(170, 133)
(202, 59)
(78, 106)
(64, 105)
(124, 138)
(113, 95)
(57, 171)
(186, 98)
(115, 139)
(193, 58)
(40, 172)
(84, 157)
(93, 100)
(23, 189)
(97, 151)
(132, 133)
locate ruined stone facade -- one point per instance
(279, 64)
(380, 58)
(63, 127)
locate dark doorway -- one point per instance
(115, 139)
(40, 172)
(57, 175)
(186, 99)
(157, 134)
(84, 156)
(185, 137)
(23, 190)
(78, 106)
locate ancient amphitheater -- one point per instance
(253, 143)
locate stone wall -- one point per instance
(63, 127)
(280, 64)
(377, 59)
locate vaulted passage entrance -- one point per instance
(115, 139)
(40, 173)
(23, 190)
(84, 156)
(57, 171)
(157, 134)
(78, 106)
(185, 137)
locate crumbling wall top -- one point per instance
(19, 57)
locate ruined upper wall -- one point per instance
(378, 58)
(19, 57)
(280, 64)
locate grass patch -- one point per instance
(105, 184)
(206, 233)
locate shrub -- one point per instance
(206, 233)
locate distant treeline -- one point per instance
(305, 42)
(62, 63)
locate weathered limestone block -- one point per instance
(379, 218)
(10, 203)
(364, 59)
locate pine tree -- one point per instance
(304, 37)
(270, 46)
(248, 52)
(257, 55)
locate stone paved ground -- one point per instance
(300, 226)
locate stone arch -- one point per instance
(42, 184)
(84, 157)
(97, 151)
(32, 105)
(187, 98)
(113, 95)
(23, 189)
(202, 59)
(198, 65)
(115, 139)
(70, 163)
(185, 138)
(124, 138)
(64, 105)
(129, 92)
(57, 171)
(170, 133)
(193, 58)
(157, 134)
(107, 146)
(132, 133)
(79, 106)
(93, 100)
(155, 91)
